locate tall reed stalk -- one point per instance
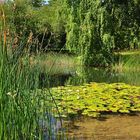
(24, 111)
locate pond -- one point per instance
(118, 127)
(80, 75)
(113, 127)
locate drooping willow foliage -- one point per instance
(95, 28)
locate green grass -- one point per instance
(129, 60)
(55, 63)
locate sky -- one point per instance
(46, 1)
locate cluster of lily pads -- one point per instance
(96, 98)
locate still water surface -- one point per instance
(80, 75)
(110, 127)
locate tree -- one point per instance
(95, 28)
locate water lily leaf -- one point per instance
(95, 98)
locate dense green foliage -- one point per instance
(33, 23)
(90, 29)
(96, 98)
(95, 28)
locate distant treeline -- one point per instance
(92, 29)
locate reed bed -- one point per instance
(24, 113)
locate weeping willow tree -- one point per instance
(95, 28)
(88, 32)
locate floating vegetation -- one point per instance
(95, 99)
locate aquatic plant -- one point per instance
(22, 109)
(94, 99)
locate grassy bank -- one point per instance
(128, 60)
(55, 63)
